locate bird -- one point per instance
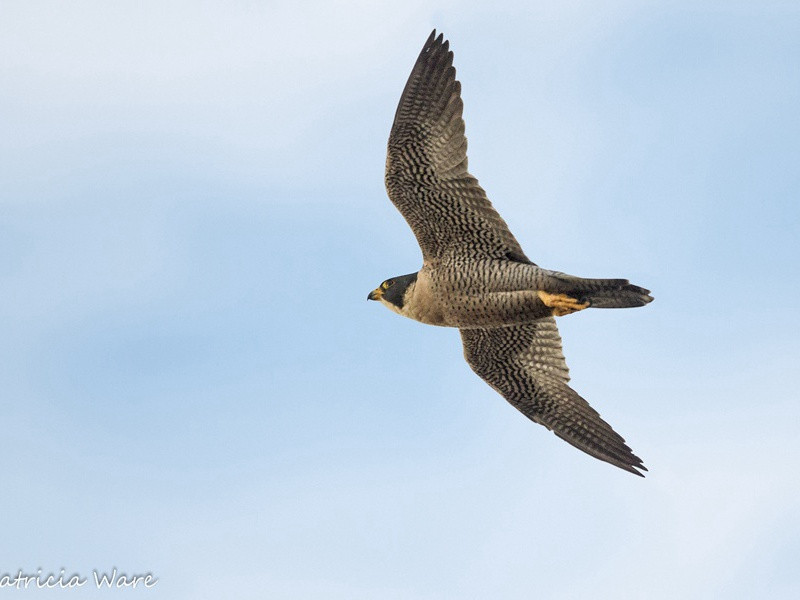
(476, 277)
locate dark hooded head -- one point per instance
(393, 290)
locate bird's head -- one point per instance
(395, 292)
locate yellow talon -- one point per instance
(561, 303)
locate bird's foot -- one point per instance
(561, 303)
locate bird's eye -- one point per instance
(385, 285)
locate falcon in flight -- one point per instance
(476, 277)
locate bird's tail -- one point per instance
(601, 293)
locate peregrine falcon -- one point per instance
(476, 277)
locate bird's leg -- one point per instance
(561, 303)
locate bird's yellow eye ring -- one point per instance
(385, 285)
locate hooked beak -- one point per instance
(375, 294)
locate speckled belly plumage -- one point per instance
(479, 294)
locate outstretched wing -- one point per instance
(525, 364)
(426, 167)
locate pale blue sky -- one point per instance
(192, 213)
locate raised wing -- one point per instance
(525, 364)
(426, 167)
